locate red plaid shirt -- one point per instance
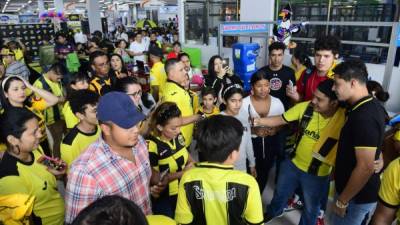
(99, 172)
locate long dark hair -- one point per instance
(5, 86)
(378, 90)
(303, 58)
(122, 85)
(13, 122)
(212, 75)
(123, 69)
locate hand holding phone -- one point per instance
(291, 85)
(163, 174)
(52, 163)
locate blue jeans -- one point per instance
(314, 189)
(355, 214)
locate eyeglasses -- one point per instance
(135, 94)
(106, 64)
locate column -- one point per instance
(181, 21)
(41, 8)
(59, 5)
(258, 11)
(93, 15)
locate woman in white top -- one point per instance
(233, 96)
(265, 140)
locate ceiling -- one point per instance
(21, 6)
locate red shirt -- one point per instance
(172, 55)
(311, 85)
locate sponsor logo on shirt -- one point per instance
(275, 84)
(211, 195)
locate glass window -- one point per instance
(204, 17)
(195, 22)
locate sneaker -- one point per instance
(293, 205)
(320, 221)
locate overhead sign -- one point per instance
(244, 28)
(9, 19)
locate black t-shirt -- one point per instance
(364, 128)
(278, 81)
(217, 83)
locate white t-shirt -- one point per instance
(80, 38)
(120, 36)
(276, 108)
(246, 146)
(136, 47)
(146, 41)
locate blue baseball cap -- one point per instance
(118, 108)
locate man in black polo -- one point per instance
(359, 145)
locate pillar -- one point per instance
(93, 8)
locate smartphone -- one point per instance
(163, 174)
(225, 62)
(291, 85)
(51, 162)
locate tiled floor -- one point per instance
(290, 218)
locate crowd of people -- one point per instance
(192, 148)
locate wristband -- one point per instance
(341, 205)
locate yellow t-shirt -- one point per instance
(214, 112)
(158, 77)
(19, 55)
(33, 179)
(175, 93)
(298, 72)
(195, 100)
(76, 142)
(389, 192)
(16, 208)
(215, 194)
(172, 155)
(396, 135)
(70, 119)
(160, 220)
(56, 111)
(311, 135)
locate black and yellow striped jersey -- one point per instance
(171, 155)
(216, 194)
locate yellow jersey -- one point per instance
(174, 92)
(54, 113)
(100, 85)
(76, 142)
(34, 179)
(389, 192)
(70, 119)
(214, 112)
(171, 155)
(304, 150)
(216, 194)
(158, 77)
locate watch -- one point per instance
(340, 204)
